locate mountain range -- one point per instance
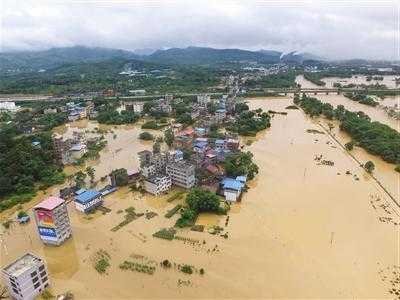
(36, 60)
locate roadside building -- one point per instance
(88, 200)
(51, 216)
(26, 277)
(157, 184)
(8, 106)
(48, 111)
(182, 174)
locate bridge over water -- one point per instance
(285, 91)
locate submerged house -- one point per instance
(88, 200)
(232, 188)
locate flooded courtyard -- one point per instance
(303, 230)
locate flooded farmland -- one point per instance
(303, 230)
(388, 80)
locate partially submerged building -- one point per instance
(182, 174)
(88, 200)
(157, 184)
(52, 221)
(26, 278)
(232, 188)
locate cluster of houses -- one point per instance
(69, 150)
(162, 170)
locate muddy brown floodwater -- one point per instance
(303, 230)
(388, 80)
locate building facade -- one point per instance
(52, 220)
(26, 278)
(157, 184)
(182, 174)
(88, 200)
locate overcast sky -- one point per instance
(347, 29)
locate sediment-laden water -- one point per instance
(303, 230)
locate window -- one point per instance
(35, 279)
(41, 268)
(33, 274)
(44, 279)
(15, 291)
(46, 285)
(43, 274)
(36, 285)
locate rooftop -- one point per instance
(22, 265)
(49, 203)
(87, 196)
(232, 184)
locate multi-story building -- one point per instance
(157, 184)
(51, 216)
(203, 100)
(182, 174)
(61, 148)
(26, 278)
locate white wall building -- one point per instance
(157, 184)
(26, 277)
(182, 174)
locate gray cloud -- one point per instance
(339, 29)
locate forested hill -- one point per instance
(207, 56)
(36, 60)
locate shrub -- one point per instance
(146, 136)
(187, 269)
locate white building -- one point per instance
(8, 105)
(51, 216)
(138, 107)
(87, 201)
(26, 278)
(77, 151)
(182, 174)
(203, 100)
(157, 184)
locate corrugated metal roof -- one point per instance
(87, 196)
(232, 184)
(50, 203)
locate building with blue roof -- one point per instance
(88, 200)
(232, 188)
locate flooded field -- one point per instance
(303, 230)
(388, 80)
(375, 113)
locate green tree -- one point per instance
(200, 200)
(241, 163)
(349, 146)
(369, 166)
(80, 179)
(120, 176)
(169, 137)
(146, 136)
(156, 147)
(90, 172)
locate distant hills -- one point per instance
(28, 61)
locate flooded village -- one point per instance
(310, 222)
